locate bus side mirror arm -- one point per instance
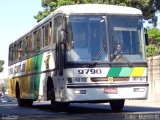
(146, 37)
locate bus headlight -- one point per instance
(139, 89)
(141, 79)
(79, 91)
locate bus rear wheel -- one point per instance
(117, 105)
(22, 102)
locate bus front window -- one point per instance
(126, 37)
(86, 40)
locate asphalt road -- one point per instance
(42, 111)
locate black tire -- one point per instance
(117, 105)
(22, 102)
(54, 105)
(28, 103)
(58, 106)
(25, 102)
(49, 88)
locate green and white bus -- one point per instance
(70, 57)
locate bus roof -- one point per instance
(97, 8)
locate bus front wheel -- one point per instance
(117, 105)
(25, 102)
(58, 106)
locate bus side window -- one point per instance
(34, 40)
(26, 42)
(57, 23)
(37, 40)
(14, 51)
(30, 43)
(10, 53)
(47, 34)
(19, 55)
(24, 47)
(29, 50)
(50, 33)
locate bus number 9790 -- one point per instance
(89, 71)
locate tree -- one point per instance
(154, 39)
(3, 86)
(148, 7)
(1, 65)
(152, 50)
(154, 36)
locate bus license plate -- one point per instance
(111, 90)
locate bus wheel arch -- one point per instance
(50, 88)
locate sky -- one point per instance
(16, 18)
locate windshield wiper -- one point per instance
(117, 56)
(100, 51)
(126, 59)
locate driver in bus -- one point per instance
(118, 49)
(71, 54)
(117, 55)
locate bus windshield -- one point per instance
(125, 34)
(97, 38)
(87, 39)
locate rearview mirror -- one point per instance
(146, 37)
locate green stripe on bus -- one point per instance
(114, 72)
(125, 72)
(35, 79)
(32, 77)
(39, 65)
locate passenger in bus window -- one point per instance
(20, 54)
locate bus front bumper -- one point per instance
(106, 92)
